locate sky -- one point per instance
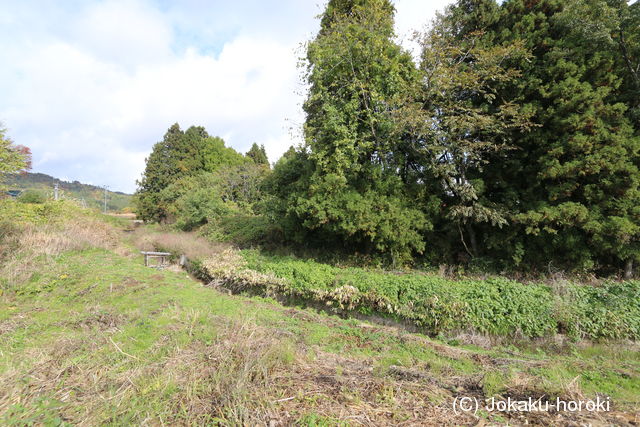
(91, 85)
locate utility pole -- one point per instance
(55, 192)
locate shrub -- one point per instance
(244, 230)
(610, 310)
(493, 306)
(32, 196)
(198, 207)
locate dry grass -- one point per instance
(229, 381)
(72, 236)
(189, 244)
(31, 247)
(339, 388)
(164, 352)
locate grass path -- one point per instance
(99, 339)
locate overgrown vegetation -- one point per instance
(30, 234)
(437, 305)
(511, 147)
(192, 179)
(91, 336)
(513, 139)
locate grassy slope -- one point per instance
(96, 338)
(93, 196)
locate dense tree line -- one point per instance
(512, 142)
(192, 178)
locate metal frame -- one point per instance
(162, 256)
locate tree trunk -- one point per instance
(472, 239)
(628, 269)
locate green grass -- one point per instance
(109, 314)
(94, 337)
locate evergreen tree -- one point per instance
(572, 183)
(612, 26)
(160, 171)
(463, 120)
(258, 154)
(180, 154)
(217, 155)
(358, 76)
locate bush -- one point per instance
(493, 306)
(32, 196)
(199, 207)
(244, 230)
(28, 213)
(611, 310)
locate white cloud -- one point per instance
(415, 15)
(92, 87)
(123, 32)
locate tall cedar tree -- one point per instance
(571, 184)
(160, 171)
(348, 190)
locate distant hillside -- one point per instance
(92, 195)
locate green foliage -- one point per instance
(258, 155)
(242, 185)
(584, 156)
(38, 214)
(197, 207)
(173, 198)
(244, 230)
(461, 121)
(13, 159)
(347, 191)
(492, 306)
(32, 196)
(217, 156)
(534, 114)
(514, 144)
(161, 170)
(611, 311)
(195, 200)
(180, 155)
